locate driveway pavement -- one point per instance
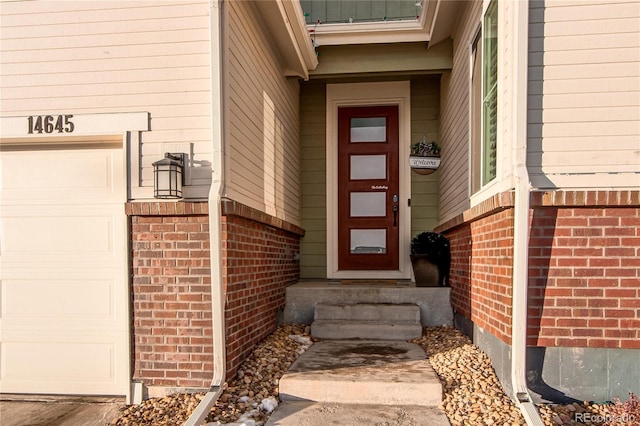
(58, 411)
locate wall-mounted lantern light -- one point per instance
(168, 176)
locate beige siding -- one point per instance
(262, 150)
(92, 57)
(454, 137)
(455, 171)
(425, 118)
(313, 247)
(584, 94)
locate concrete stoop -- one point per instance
(363, 372)
(360, 382)
(367, 321)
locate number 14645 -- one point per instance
(50, 124)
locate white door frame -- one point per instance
(363, 94)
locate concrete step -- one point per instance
(405, 312)
(321, 414)
(302, 298)
(380, 330)
(363, 372)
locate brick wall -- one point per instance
(481, 272)
(584, 272)
(171, 287)
(259, 264)
(584, 280)
(171, 297)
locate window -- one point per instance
(490, 91)
(484, 101)
(355, 11)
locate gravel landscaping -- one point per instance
(472, 393)
(250, 396)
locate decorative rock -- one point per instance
(472, 392)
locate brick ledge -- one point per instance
(494, 204)
(590, 198)
(166, 208)
(553, 198)
(189, 208)
(234, 208)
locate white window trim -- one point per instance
(499, 183)
(361, 94)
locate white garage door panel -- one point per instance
(59, 363)
(63, 272)
(57, 300)
(64, 175)
(68, 234)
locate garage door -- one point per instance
(64, 306)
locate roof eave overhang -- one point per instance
(285, 22)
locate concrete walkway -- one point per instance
(324, 414)
(59, 411)
(360, 382)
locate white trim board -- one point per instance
(362, 94)
(83, 125)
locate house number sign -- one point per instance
(50, 124)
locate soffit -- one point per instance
(383, 58)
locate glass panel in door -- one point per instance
(368, 167)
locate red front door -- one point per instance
(368, 188)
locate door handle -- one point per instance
(395, 215)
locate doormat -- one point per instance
(369, 282)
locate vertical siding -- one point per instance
(425, 118)
(262, 151)
(584, 94)
(313, 248)
(105, 56)
(454, 170)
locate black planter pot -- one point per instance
(426, 271)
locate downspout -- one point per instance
(216, 192)
(521, 223)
